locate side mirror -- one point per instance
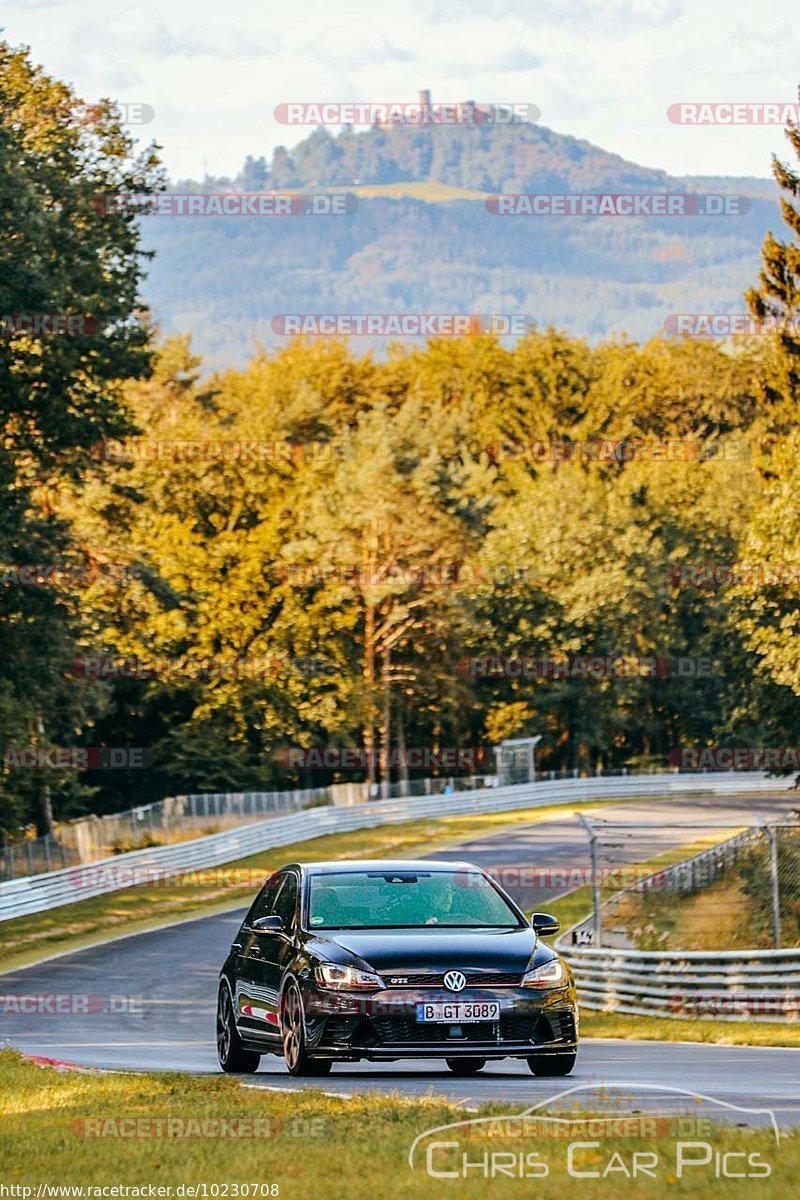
(544, 924)
(272, 924)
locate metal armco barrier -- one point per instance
(728, 985)
(36, 893)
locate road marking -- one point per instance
(265, 1087)
(112, 1045)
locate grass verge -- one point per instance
(62, 1129)
(701, 1029)
(576, 905)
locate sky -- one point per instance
(605, 70)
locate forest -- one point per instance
(434, 550)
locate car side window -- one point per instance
(286, 900)
(263, 903)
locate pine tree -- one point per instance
(777, 297)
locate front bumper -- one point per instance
(383, 1025)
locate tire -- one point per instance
(552, 1064)
(466, 1066)
(233, 1059)
(293, 1037)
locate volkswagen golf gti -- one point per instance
(386, 960)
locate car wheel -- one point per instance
(552, 1064)
(233, 1058)
(293, 1033)
(466, 1066)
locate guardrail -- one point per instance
(729, 985)
(36, 893)
(176, 818)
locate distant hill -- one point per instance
(422, 240)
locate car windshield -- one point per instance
(406, 899)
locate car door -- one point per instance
(278, 948)
(255, 1002)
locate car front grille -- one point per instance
(405, 1030)
(474, 979)
(538, 1030)
(340, 1029)
(511, 1029)
(563, 1025)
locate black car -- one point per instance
(382, 960)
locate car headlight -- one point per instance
(549, 974)
(347, 979)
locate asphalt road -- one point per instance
(147, 1001)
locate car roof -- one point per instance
(383, 864)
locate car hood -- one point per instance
(432, 949)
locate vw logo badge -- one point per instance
(455, 981)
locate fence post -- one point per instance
(590, 829)
(773, 870)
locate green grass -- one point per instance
(313, 1144)
(577, 905)
(130, 910)
(733, 913)
(701, 1029)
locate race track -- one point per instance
(146, 1002)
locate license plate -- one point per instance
(459, 1012)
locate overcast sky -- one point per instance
(605, 70)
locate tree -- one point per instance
(63, 258)
(777, 297)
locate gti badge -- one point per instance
(455, 981)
